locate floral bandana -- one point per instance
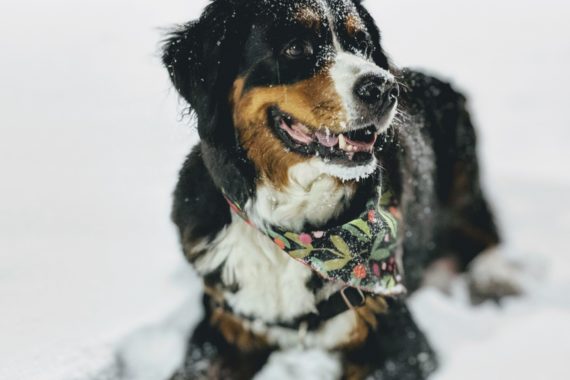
(359, 254)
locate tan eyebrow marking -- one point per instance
(309, 17)
(354, 25)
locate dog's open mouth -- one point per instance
(354, 147)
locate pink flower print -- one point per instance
(305, 239)
(376, 269)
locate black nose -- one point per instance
(375, 90)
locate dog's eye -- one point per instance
(298, 49)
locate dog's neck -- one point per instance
(311, 197)
(260, 280)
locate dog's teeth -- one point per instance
(341, 142)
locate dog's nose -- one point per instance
(376, 91)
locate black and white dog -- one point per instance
(302, 118)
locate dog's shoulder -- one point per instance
(441, 107)
(420, 89)
(199, 209)
(442, 113)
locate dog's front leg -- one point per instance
(210, 357)
(397, 350)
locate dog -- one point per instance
(325, 183)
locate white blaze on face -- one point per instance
(348, 68)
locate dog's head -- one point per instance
(282, 82)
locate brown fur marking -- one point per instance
(314, 102)
(354, 25)
(365, 321)
(309, 18)
(354, 371)
(236, 333)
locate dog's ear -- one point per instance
(194, 55)
(202, 58)
(182, 56)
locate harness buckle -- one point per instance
(347, 301)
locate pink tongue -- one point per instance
(297, 132)
(327, 140)
(301, 134)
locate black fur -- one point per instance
(459, 223)
(445, 211)
(209, 356)
(200, 58)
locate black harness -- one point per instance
(338, 303)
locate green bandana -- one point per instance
(359, 254)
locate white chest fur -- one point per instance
(271, 286)
(312, 196)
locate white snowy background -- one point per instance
(91, 139)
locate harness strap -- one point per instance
(346, 299)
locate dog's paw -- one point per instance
(491, 276)
(441, 274)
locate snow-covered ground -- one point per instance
(91, 139)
